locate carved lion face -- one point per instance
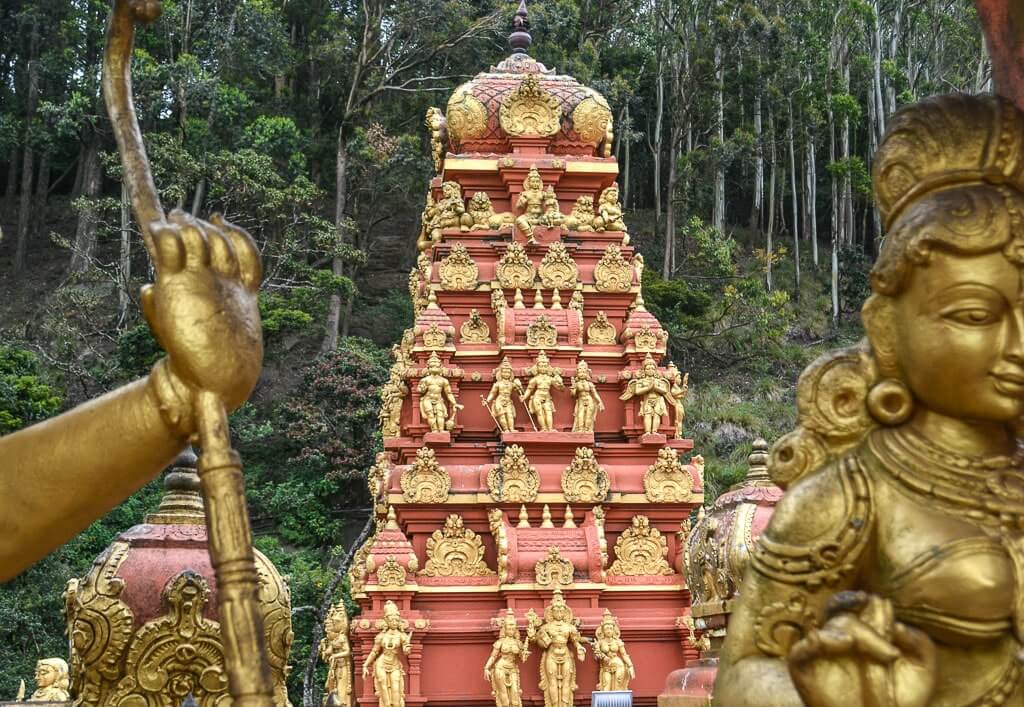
(480, 202)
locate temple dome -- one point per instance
(151, 596)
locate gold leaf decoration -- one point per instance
(640, 550)
(542, 333)
(475, 330)
(601, 331)
(530, 110)
(554, 570)
(434, 337)
(455, 551)
(391, 574)
(558, 270)
(584, 480)
(645, 339)
(592, 118)
(667, 480)
(425, 481)
(612, 272)
(515, 269)
(459, 271)
(513, 480)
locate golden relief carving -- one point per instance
(644, 339)
(450, 211)
(557, 635)
(385, 658)
(337, 654)
(612, 272)
(584, 480)
(615, 668)
(276, 603)
(438, 406)
(500, 402)
(667, 480)
(391, 573)
(541, 333)
(484, 216)
(582, 216)
(530, 110)
(654, 391)
(680, 383)
(609, 211)
(576, 306)
(502, 667)
(592, 117)
(425, 481)
(602, 540)
(498, 307)
(467, 117)
(537, 398)
(640, 550)
(707, 571)
(455, 551)
(537, 206)
(475, 330)
(588, 401)
(558, 270)
(458, 271)
(514, 480)
(601, 331)
(554, 570)
(553, 217)
(392, 396)
(176, 655)
(495, 519)
(515, 269)
(434, 337)
(437, 127)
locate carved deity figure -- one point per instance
(531, 205)
(609, 211)
(890, 570)
(52, 681)
(616, 668)
(588, 401)
(502, 667)
(437, 126)
(337, 654)
(653, 390)
(386, 659)
(392, 394)
(582, 216)
(500, 401)
(451, 210)
(429, 235)
(538, 393)
(553, 217)
(435, 391)
(680, 387)
(558, 636)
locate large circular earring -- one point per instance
(890, 402)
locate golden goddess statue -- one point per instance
(386, 659)
(52, 681)
(616, 668)
(588, 401)
(502, 667)
(557, 635)
(891, 572)
(337, 653)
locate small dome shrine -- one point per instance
(143, 623)
(521, 98)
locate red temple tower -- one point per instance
(533, 440)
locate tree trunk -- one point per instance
(624, 141)
(812, 197)
(28, 162)
(197, 198)
(85, 233)
(659, 116)
(11, 189)
(668, 266)
(795, 199)
(334, 307)
(719, 210)
(755, 211)
(42, 193)
(769, 232)
(125, 262)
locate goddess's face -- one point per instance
(959, 336)
(46, 675)
(611, 196)
(393, 622)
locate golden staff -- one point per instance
(220, 468)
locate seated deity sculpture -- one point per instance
(609, 211)
(531, 205)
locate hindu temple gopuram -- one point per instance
(535, 473)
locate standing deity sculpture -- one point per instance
(499, 401)
(437, 126)
(653, 390)
(890, 570)
(609, 211)
(616, 668)
(392, 395)
(588, 401)
(428, 236)
(680, 387)
(337, 653)
(538, 393)
(386, 659)
(435, 391)
(502, 667)
(531, 205)
(558, 636)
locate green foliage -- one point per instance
(26, 393)
(137, 351)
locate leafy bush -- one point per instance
(26, 394)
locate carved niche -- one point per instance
(515, 269)
(530, 110)
(601, 331)
(455, 551)
(513, 480)
(558, 270)
(458, 271)
(475, 330)
(554, 570)
(667, 480)
(613, 272)
(584, 480)
(640, 550)
(426, 481)
(541, 333)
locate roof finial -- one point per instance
(520, 38)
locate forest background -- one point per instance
(744, 133)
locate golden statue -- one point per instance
(654, 391)
(484, 217)
(434, 390)
(531, 205)
(890, 571)
(392, 395)
(428, 234)
(588, 400)
(386, 658)
(52, 681)
(609, 211)
(499, 401)
(582, 216)
(203, 311)
(616, 668)
(557, 635)
(451, 210)
(538, 393)
(337, 653)
(502, 667)
(553, 216)
(680, 387)
(437, 126)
